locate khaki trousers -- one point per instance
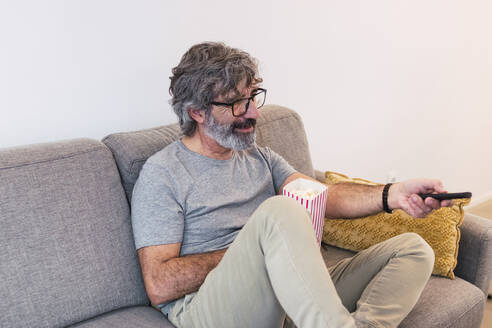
(275, 267)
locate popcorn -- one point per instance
(305, 193)
(312, 196)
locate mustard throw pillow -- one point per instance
(440, 229)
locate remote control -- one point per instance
(455, 195)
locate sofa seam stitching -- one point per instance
(471, 308)
(54, 159)
(140, 132)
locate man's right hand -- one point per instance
(404, 195)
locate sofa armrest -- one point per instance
(475, 251)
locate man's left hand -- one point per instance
(404, 195)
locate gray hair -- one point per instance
(208, 70)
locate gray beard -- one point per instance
(225, 136)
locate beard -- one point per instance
(224, 133)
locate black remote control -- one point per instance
(455, 195)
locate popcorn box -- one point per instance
(312, 196)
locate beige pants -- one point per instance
(275, 267)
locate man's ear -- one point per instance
(197, 114)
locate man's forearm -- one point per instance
(350, 200)
(179, 276)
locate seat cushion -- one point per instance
(67, 251)
(448, 304)
(137, 316)
(444, 302)
(278, 127)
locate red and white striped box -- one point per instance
(312, 196)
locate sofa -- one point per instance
(67, 254)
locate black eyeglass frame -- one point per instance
(256, 93)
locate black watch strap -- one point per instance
(385, 198)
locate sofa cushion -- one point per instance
(447, 303)
(138, 316)
(278, 127)
(67, 246)
(444, 302)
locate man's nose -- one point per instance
(252, 112)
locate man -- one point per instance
(217, 249)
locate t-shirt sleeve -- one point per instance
(157, 216)
(281, 169)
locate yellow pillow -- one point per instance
(440, 229)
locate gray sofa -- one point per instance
(67, 254)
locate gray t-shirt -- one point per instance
(182, 196)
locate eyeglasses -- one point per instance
(240, 106)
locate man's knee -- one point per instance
(281, 219)
(415, 245)
(280, 209)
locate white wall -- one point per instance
(383, 86)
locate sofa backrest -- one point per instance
(66, 246)
(278, 127)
